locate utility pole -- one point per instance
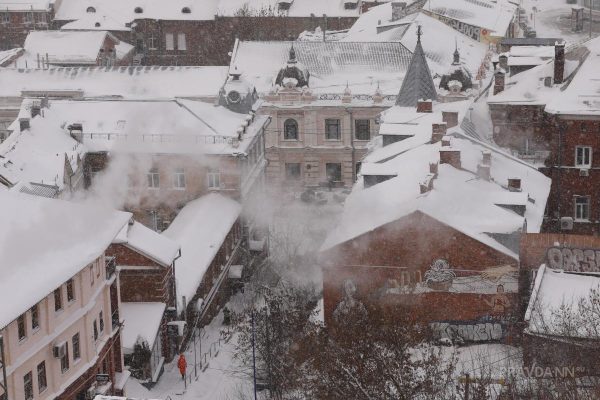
(467, 381)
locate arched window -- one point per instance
(138, 10)
(186, 10)
(290, 129)
(91, 10)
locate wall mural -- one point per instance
(349, 307)
(573, 259)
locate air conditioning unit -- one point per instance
(584, 172)
(59, 350)
(566, 223)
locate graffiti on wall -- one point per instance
(468, 331)
(573, 259)
(474, 32)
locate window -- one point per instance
(41, 377)
(28, 385)
(582, 208)
(152, 43)
(357, 168)
(583, 156)
(214, 179)
(29, 18)
(138, 10)
(41, 18)
(332, 129)
(35, 317)
(292, 171)
(90, 10)
(57, 300)
(169, 41)
(290, 129)
(101, 321)
(21, 327)
(179, 181)
(181, 45)
(76, 347)
(362, 129)
(92, 275)
(153, 178)
(70, 290)
(333, 172)
(5, 18)
(186, 10)
(64, 360)
(95, 326)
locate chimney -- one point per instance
(514, 184)
(450, 156)
(437, 132)
(35, 109)
(427, 183)
(424, 106)
(76, 132)
(559, 61)
(450, 118)
(503, 62)
(486, 157)
(484, 171)
(23, 124)
(499, 79)
(433, 168)
(398, 10)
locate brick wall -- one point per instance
(515, 124)
(408, 245)
(14, 33)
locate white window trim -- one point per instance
(181, 42)
(575, 208)
(210, 180)
(169, 41)
(583, 165)
(152, 175)
(176, 180)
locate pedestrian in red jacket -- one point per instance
(182, 364)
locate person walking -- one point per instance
(182, 364)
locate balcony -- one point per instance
(111, 267)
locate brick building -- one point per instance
(146, 264)
(61, 336)
(18, 18)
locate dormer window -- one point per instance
(350, 5)
(90, 10)
(284, 5)
(138, 10)
(186, 10)
(97, 24)
(234, 97)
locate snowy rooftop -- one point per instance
(493, 16)
(553, 290)
(149, 243)
(25, 5)
(142, 320)
(127, 82)
(45, 242)
(436, 38)
(66, 47)
(458, 198)
(174, 126)
(8, 56)
(298, 8)
(582, 95)
(200, 228)
(332, 65)
(38, 155)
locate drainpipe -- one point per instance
(175, 279)
(560, 144)
(349, 111)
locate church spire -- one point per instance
(418, 83)
(292, 59)
(456, 54)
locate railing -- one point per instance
(111, 266)
(360, 97)
(161, 138)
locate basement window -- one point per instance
(186, 10)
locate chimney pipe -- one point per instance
(424, 106)
(437, 132)
(499, 81)
(486, 157)
(503, 62)
(398, 8)
(484, 171)
(450, 118)
(450, 156)
(514, 184)
(559, 62)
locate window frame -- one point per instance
(35, 321)
(42, 377)
(178, 178)
(357, 123)
(58, 305)
(70, 291)
(181, 42)
(153, 178)
(291, 123)
(76, 343)
(585, 207)
(213, 179)
(28, 386)
(327, 175)
(95, 330)
(584, 150)
(29, 17)
(330, 122)
(101, 321)
(169, 41)
(152, 43)
(289, 176)
(5, 17)
(22, 327)
(64, 360)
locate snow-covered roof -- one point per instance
(8, 56)
(149, 243)
(25, 5)
(332, 65)
(97, 22)
(458, 198)
(298, 8)
(37, 156)
(494, 16)
(173, 126)
(558, 293)
(141, 320)
(66, 47)
(582, 95)
(126, 82)
(126, 11)
(44, 243)
(200, 227)
(438, 38)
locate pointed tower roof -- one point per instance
(418, 83)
